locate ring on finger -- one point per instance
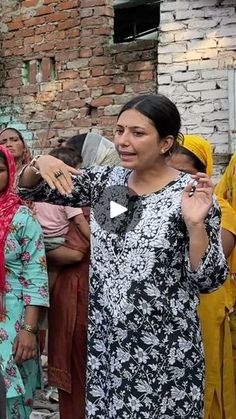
(58, 173)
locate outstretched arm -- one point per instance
(56, 173)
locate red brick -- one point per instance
(98, 71)
(102, 31)
(46, 69)
(82, 121)
(99, 81)
(50, 2)
(73, 85)
(45, 96)
(16, 24)
(61, 124)
(147, 75)
(69, 74)
(58, 16)
(93, 41)
(55, 35)
(92, 3)
(107, 121)
(11, 43)
(117, 89)
(73, 33)
(85, 52)
(32, 72)
(100, 61)
(77, 103)
(32, 40)
(22, 33)
(44, 10)
(66, 43)
(13, 82)
(140, 66)
(85, 74)
(104, 11)
(141, 87)
(69, 23)
(93, 21)
(66, 56)
(46, 28)
(84, 32)
(46, 46)
(98, 51)
(102, 101)
(69, 95)
(68, 4)
(14, 72)
(84, 94)
(29, 3)
(35, 21)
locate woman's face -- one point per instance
(3, 175)
(182, 162)
(138, 142)
(11, 140)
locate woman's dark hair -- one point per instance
(197, 164)
(77, 143)
(3, 158)
(68, 155)
(161, 111)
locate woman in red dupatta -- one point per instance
(23, 290)
(9, 203)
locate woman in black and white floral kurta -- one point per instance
(145, 358)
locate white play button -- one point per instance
(116, 209)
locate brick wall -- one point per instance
(61, 74)
(197, 44)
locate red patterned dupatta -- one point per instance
(9, 203)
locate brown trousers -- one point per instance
(67, 344)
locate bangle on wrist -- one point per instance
(33, 163)
(30, 329)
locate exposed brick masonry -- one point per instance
(197, 45)
(61, 74)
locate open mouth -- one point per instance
(126, 154)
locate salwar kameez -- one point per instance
(26, 284)
(145, 356)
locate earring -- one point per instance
(162, 151)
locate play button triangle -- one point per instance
(116, 209)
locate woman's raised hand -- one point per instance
(197, 200)
(56, 173)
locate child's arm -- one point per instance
(63, 256)
(82, 225)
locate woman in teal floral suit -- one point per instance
(23, 290)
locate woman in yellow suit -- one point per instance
(195, 155)
(226, 189)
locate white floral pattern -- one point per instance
(145, 357)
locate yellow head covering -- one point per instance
(202, 149)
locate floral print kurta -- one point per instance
(27, 284)
(145, 357)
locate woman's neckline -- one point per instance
(179, 176)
